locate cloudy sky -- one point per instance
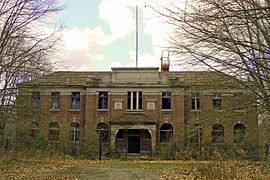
(100, 34)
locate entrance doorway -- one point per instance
(134, 140)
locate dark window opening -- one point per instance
(166, 132)
(55, 100)
(195, 102)
(166, 100)
(217, 101)
(120, 134)
(147, 134)
(75, 100)
(103, 100)
(239, 132)
(217, 134)
(36, 100)
(134, 101)
(103, 131)
(238, 101)
(53, 131)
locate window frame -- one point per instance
(217, 101)
(35, 97)
(54, 130)
(75, 100)
(134, 100)
(166, 100)
(103, 99)
(74, 132)
(218, 134)
(55, 100)
(195, 101)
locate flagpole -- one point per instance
(137, 39)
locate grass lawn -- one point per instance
(26, 168)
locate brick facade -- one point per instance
(151, 117)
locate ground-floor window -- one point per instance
(74, 132)
(239, 132)
(103, 131)
(217, 134)
(53, 131)
(166, 132)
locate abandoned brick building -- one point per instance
(135, 109)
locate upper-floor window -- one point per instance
(134, 100)
(36, 100)
(55, 100)
(195, 102)
(75, 100)
(166, 100)
(217, 101)
(103, 100)
(238, 101)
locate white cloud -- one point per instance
(92, 40)
(118, 16)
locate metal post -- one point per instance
(99, 157)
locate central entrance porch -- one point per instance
(133, 133)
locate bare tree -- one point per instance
(228, 36)
(26, 44)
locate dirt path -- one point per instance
(107, 172)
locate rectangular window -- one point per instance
(238, 102)
(134, 101)
(166, 100)
(75, 100)
(36, 100)
(195, 102)
(103, 100)
(217, 101)
(55, 100)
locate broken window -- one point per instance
(166, 100)
(239, 131)
(134, 101)
(36, 100)
(53, 131)
(74, 132)
(75, 100)
(166, 132)
(195, 102)
(103, 100)
(217, 101)
(55, 100)
(217, 134)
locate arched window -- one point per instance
(103, 131)
(195, 135)
(217, 134)
(239, 132)
(166, 132)
(34, 130)
(53, 131)
(74, 132)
